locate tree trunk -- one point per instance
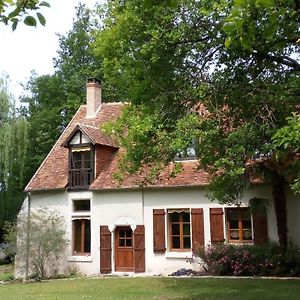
(279, 197)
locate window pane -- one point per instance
(81, 205)
(186, 217)
(87, 236)
(176, 242)
(234, 224)
(81, 160)
(247, 234)
(174, 217)
(234, 234)
(86, 159)
(246, 224)
(77, 236)
(186, 229)
(128, 242)
(175, 229)
(128, 233)
(121, 242)
(186, 242)
(122, 233)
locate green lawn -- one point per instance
(153, 288)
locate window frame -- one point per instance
(82, 236)
(240, 228)
(82, 216)
(181, 230)
(76, 211)
(81, 178)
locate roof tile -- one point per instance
(53, 172)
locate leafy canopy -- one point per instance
(15, 11)
(237, 58)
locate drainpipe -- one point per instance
(27, 236)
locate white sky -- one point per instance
(33, 48)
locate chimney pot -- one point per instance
(93, 97)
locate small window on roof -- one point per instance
(81, 205)
(189, 153)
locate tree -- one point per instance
(38, 241)
(13, 144)
(223, 73)
(52, 100)
(14, 11)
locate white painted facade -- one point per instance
(135, 207)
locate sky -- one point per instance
(33, 48)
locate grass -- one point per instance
(6, 272)
(153, 288)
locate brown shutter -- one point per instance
(139, 249)
(105, 250)
(216, 225)
(159, 230)
(197, 228)
(260, 227)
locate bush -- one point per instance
(44, 240)
(250, 260)
(6, 277)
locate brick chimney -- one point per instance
(93, 97)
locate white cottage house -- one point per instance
(123, 227)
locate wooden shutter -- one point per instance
(139, 249)
(159, 230)
(216, 225)
(105, 250)
(260, 227)
(197, 228)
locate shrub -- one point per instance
(250, 260)
(6, 277)
(44, 240)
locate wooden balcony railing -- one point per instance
(80, 179)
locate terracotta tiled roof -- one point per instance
(53, 172)
(189, 176)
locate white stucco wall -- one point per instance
(169, 261)
(293, 211)
(135, 207)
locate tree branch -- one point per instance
(284, 60)
(189, 41)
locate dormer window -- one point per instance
(81, 161)
(89, 152)
(81, 168)
(190, 153)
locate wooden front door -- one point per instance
(124, 249)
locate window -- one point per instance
(81, 159)
(81, 236)
(81, 205)
(179, 230)
(239, 225)
(81, 168)
(189, 153)
(81, 227)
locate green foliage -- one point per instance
(262, 26)
(15, 11)
(47, 241)
(52, 100)
(13, 144)
(233, 64)
(250, 260)
(287, 141)
(6, 277)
